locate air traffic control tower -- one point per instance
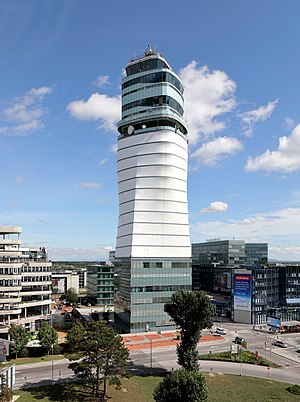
(153, 250)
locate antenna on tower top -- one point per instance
(149, 50)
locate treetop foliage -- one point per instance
(182, 386)
(18, 338)
(191, 311)
(98, 354)
(47, 336)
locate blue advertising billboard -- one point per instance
(273, 322)
(242, 292)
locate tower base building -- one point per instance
(153, 251)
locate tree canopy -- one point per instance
(47, 336)
(98, 355)
(18, 338)
(72, 296)
(181, 385)
(191, 311)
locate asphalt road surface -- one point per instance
(164, 358)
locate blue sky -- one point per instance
(61, 67)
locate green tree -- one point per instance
(98, 355)
(47, 336)
(18, 338)
(191, 311)
(181, 385)
(72, 296)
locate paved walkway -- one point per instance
(154, 340)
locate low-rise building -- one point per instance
(100, 284)
(25, 282)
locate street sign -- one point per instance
(4, 347)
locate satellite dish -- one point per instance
(130, 130)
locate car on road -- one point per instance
(239, 340)
(220, 331)
(280, 344)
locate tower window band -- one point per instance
(146, 65)
(155, 101)
(152, 78)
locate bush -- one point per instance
(6, 394)
(57, 349)
(294, 389)
(24, 353)
(182, 385)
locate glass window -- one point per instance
(155, 101)
(162, 76)
(145, 65)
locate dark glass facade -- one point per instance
(100, 283)
(152, 78)
(145, 65)
(144, 286)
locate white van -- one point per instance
(220, 331)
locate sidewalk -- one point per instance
(149, 340)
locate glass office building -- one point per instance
(153, 251)
(213, 264)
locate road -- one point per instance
(164, 358)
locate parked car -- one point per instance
(279, 343)
(220, 331)
(298, 350)
(239, 340)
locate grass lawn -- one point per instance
(247, 357)
(225, 388)
(29, 360)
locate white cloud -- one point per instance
(285, 253)
(253, 116)
(289, 122)
(114, 148)
(25, 113)
(210, 152)
(284, 159)
(208, 96)
(277, 227)
(103, 161)
(98, 107)
(19, 179)
(79, 254)
(101, 81)
(90, 184)
(216, 206)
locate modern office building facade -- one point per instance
(25, 281)
(153, 251)
(234, 268)
(214, 262)
(100, 284)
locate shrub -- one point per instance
(57, 349)
(294, 389)
(24, 353)
(182, 385)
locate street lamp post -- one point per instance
(52, 368)
(265, 341)
(151, 356)
(241, 362)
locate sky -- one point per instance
(61, 64)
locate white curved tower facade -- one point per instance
(153, 231)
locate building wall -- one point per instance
(25, 280)
(152, 180)
(100, 284)
(152, 256)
